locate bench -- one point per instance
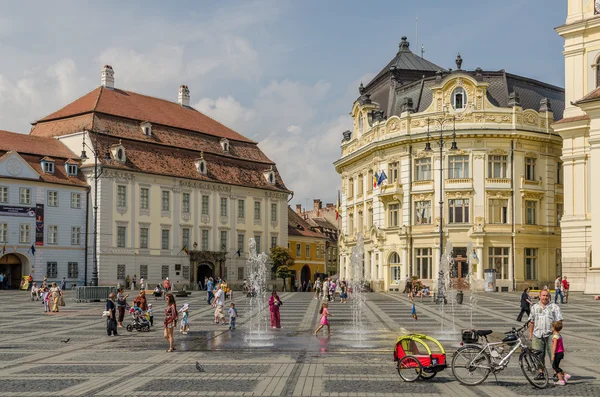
(181, 293)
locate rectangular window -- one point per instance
(273, 212)
(3, 194)
(185, 272)
(498, 211)
(559, 212)
(205, 202)
(73, 270)
(185, 203)
(459, 211)
(164, 270)
(257, 210)
(350, 223)
(422, 212)
(121, 272)
(144, 272)
(530, 168)
(72, 169)
(51, 269)
(258, 246)
(24, 232)
(394, 218)
(393, 171)
(396, 277)
(24, 195)
(3, 232)
(241, 209)
(370, 181)
(240, 273)
(185, 237)
(144, 198)
(164, 239)
(298, 250)
(75, 200)
(458, 167)
(530, 212)
(423, 169)
(240, 243)
(75, 235)
(307, 250)
(559, 173)
(48, 167)
(166, 201)
(52, 198)
(359, 222)
(498, 259)
(497, 166)
(52, 234)
(361, 184)
(273, 241)
(223, 206)
(423, 263)
(223, 242)
(121, 232)
(351, 187)
(121, 196)
(531, 272)
(204, 241)
(370, 218)
(144, 237)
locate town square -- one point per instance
(299, 198)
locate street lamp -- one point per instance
(441, 121)
(94, 281)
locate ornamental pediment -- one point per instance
(498, 194)
(533, 195)
(459, 194)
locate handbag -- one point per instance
(165, 335)
(61, 301)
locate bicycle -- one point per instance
(473, 362)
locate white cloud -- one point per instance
(227, 111)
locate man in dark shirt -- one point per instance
(525, 304)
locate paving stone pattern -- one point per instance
(286, 362)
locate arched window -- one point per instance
(394, 259)
(459, 99)
(597, 66)
(395, 268)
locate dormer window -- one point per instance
(201, 164)
(146, 128)
(270, 176)
(48, 165)
(72, 169)
(117, 152)
(225, 144)
(459, 99)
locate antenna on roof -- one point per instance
(417, 29)
(422, 50)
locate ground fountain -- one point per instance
(447, 295)
(471, 298)
(357, 286)
(258, 323)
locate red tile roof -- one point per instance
(42, 146)
(592, 96)
(140, 107)
(572, 119)
(299, 227)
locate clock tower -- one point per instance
(580, 130)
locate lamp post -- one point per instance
(94, 281)
(441, 141)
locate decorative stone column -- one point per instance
(404, 259)
(480, 264)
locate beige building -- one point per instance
(179, 194)
(580, 130)
(500, 191)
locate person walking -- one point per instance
(318, 288)
(167, 285)
(558, 353)
(407, 286)
(343, 292)
(121, 305)
(170, 321)
(142, 283)
(558, 290)
(55, 293)
(111, 320)
(565, 289)
(543, 314)
(218, 304)
(324, 312)
(141, 301)
(232, 315)
(274, 305)
(525, 304)
(133, 282)
(127, 282)
(209, 291)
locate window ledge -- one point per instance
(205, 218)
(165, 214)
(144, 212)
(241, 220)
(120, 210)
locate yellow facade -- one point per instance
(308, 252)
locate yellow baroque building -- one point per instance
(307, 247)
(497, 178)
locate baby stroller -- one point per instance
(139, 321)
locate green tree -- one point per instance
(281, 261)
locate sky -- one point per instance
(284, 73)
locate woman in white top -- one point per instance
(55, 294)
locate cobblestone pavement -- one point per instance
(288, 362)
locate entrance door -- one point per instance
(459, 271)
(305, 275)
(205, 270)
(11, 266)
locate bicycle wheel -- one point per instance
(471, 365)
(427, 375)
(409, 368)
(534, 369)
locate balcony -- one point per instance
(422, 186)
(391, 192)
(497, 182)
(459, 183)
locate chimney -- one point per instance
(298, 208)
(108, 77)
(329, 205)
(184, 96)
(317, 204)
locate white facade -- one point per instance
(142, 219)
(62, 253)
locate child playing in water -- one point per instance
(324, 319)
(232, 315)
(185, 322)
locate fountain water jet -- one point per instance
(259, 322)
(357, 284)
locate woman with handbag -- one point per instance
(170, 321)
(55, 293)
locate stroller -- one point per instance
(139, 320)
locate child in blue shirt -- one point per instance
(232, 315)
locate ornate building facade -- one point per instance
(178, 194)
(500, 188)
(580, 130)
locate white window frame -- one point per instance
(531, 212)
(241, 209)
(500, 161)
(458, 207)
(75, 235)
(273, 212)
(423, 260)
(241, 243)
(394, 215)
(423, 169)
(185, 237)
(205, 239)
(52, 234)
(25, 195)
(185, 202)
(458, 167)
(52, 269)
(165, 204)
(3, 233)
(121, 236)
(121, 196)
(498, 211)
(459, 91)
(223, 236)
(24, 233)
(298, 250)
(48, 167)
(144, 239)
(4, 194)
(393, 171)
(223, 206)
(52, 198)
(144, 198)
(72, 169)
(530, 163)
(205, 204)
(257, 211)
(307, 250)
(75, 200)
(501, 254)
(423, 212)
(165, 239)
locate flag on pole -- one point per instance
(239, 252)
(382, 177)
(414, 311)
(185, 249)
(337, 207)
(375, 177)
(32, 249)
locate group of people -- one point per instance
(131, 283)
(328, 288)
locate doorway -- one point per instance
(304, 275)
(204, 270)
(12, 267)
(459, 269)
